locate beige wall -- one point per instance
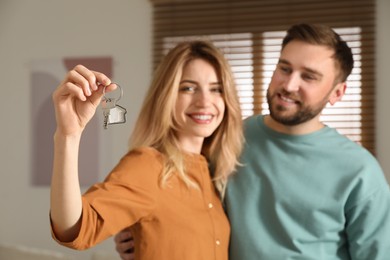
(383, 85)
(47, 29)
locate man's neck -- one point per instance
(300, 129)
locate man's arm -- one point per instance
(368, 227)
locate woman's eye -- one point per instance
(217, 90)
(187, 89)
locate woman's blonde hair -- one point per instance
(155, 126)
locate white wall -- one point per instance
(47, 29)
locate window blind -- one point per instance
(250, 33)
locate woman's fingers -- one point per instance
(74, 90)
(68, 89)
(77, 98)
(94, 78)
(82, 77)
(88, 80)
(84, 84)
(101, 79)
(111, 87)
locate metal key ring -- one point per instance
(120, 88)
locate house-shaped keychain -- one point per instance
(117, 115)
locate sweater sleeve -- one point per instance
(368, 220)
(128, 195)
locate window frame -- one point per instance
(235, 17)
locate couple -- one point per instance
(300, 190)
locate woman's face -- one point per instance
(200, 105)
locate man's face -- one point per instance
(302, 84)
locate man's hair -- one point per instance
(157, 126)
(324, 36)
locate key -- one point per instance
(113, 113)
(107, 105)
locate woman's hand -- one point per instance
(75, 101)
(77, 97)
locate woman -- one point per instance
(162, 188)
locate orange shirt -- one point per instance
(171, 222)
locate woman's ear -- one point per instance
(337, 93)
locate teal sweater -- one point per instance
(316, 196)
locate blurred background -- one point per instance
(39, 35)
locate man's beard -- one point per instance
(302, 115)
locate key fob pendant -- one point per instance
(117, 115)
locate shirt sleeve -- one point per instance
(127, 195)
(368, 224)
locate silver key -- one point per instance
(113, 113)
(107, 105)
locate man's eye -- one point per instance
(285, 69)
(308, 77)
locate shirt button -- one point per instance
(211, 205)
(218, 242)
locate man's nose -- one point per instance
(292, 83)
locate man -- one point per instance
(304, 191)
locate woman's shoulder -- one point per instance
(144, 151)
(145, 160)
(141, 155)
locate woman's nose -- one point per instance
(203, 98)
